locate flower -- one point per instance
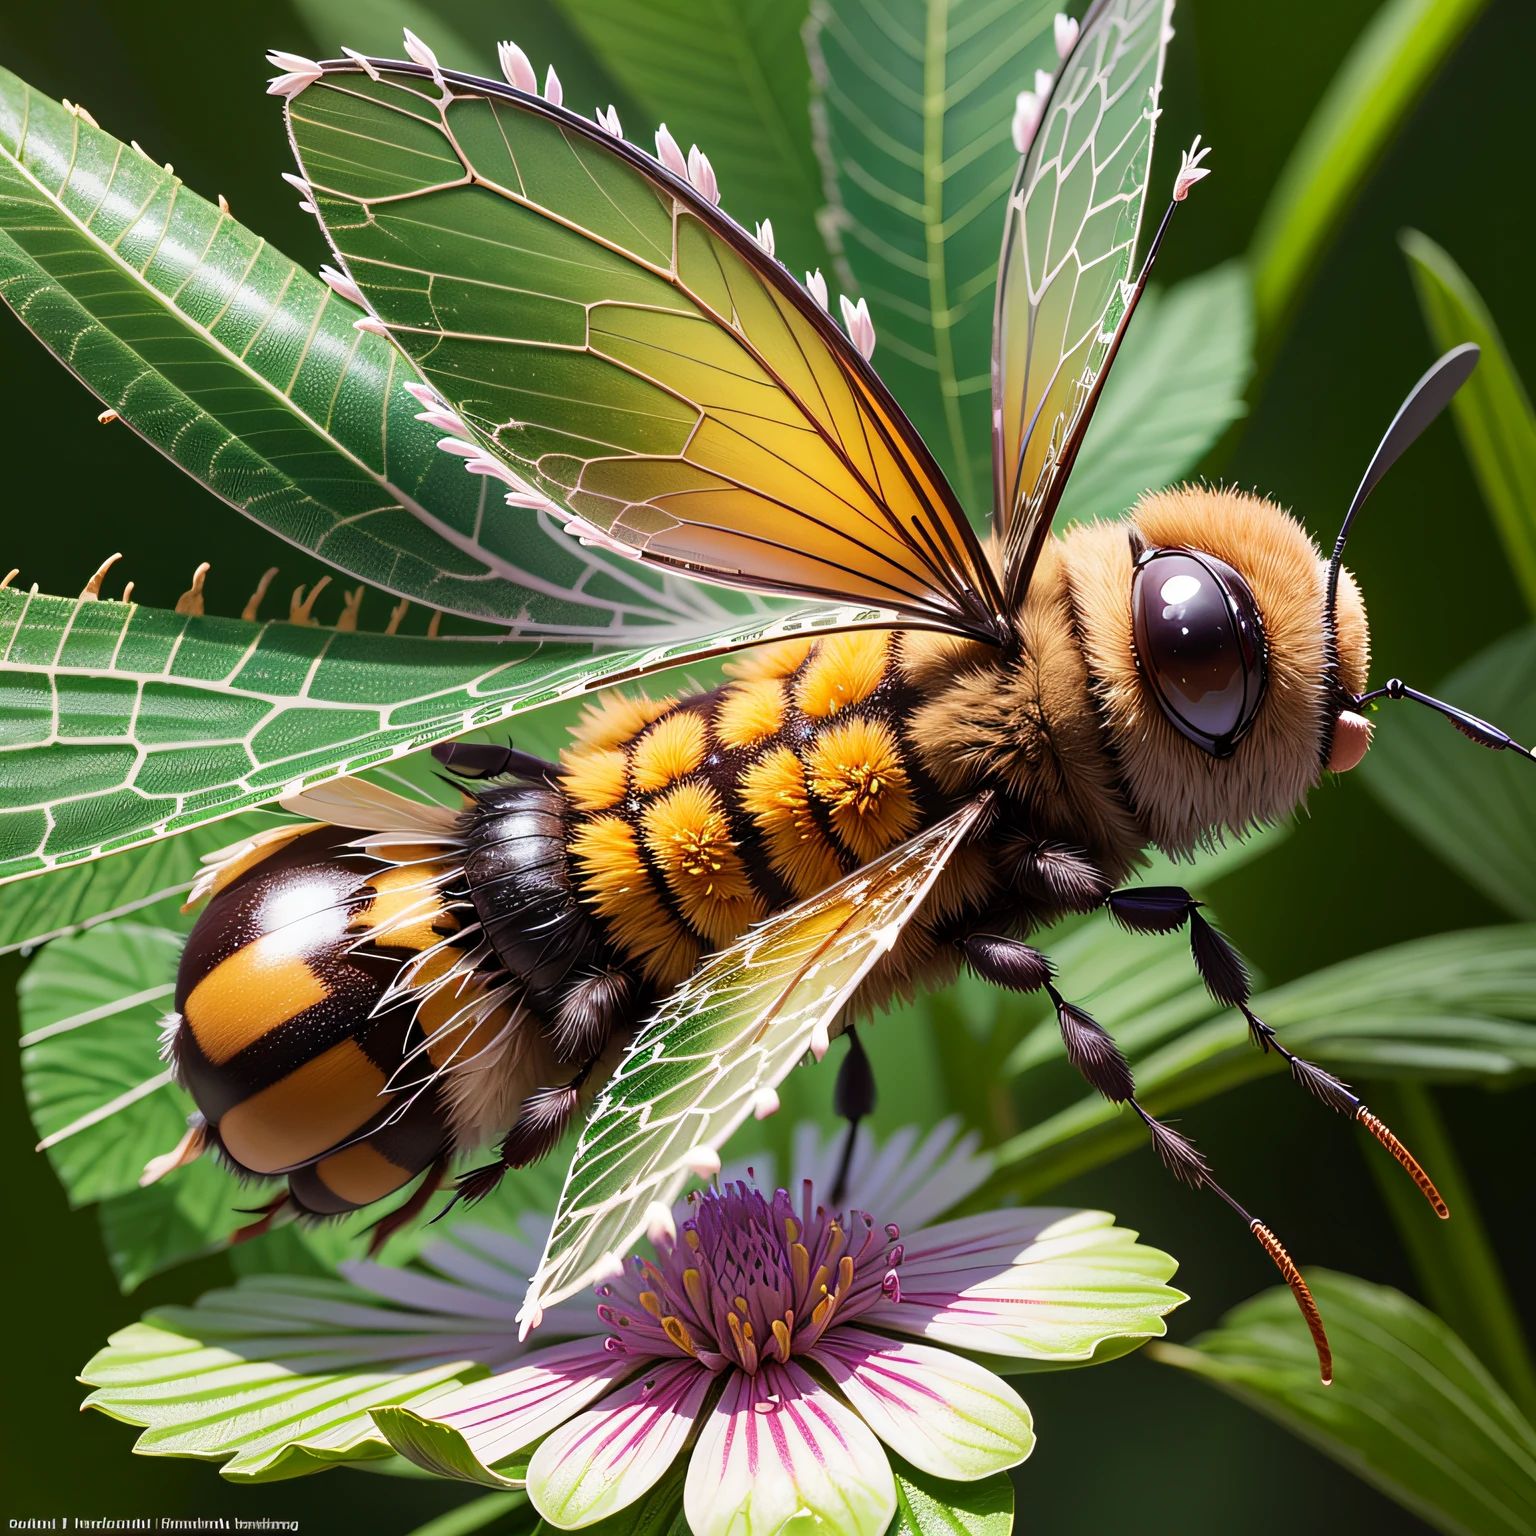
(791, 1345)
(1190, 169)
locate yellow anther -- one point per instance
(781, 1337)
(741, 1305)
(679, 1335)
(800, 1264)
(693, 1285)
(649, 1301)
(844, 1273)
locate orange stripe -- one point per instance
(773, 793)
(315, 1106)
(671, 748)
(406, 911)
(844, 670)
(687, 834)
(249, 994)
(750, 712)
(361, 1174)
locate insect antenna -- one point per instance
(1474, 729)
(1425, 401)
(1185, 1162)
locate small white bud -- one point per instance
(339, 283)
(553, 93)
(610, 123)
(517, 68)
(362, 61)
(1190, 170)
(297, 72)
(368, 323)
(1043, 83)
(765, 1102)
(298, 183)
(816, 286)
(418, 50)
(765, 235)
(704, 1161)
(1066, 35)
(444, 420)
(659, 1225)
(308, 207)
(1026, 118)
(457, 445)
(423, 394)
(861, 329)
(702, 175)
(669, 154)
(820, 1044)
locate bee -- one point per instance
(649, 933)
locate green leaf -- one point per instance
(439, 1448)
(1477, 810)
(477, 1514)
(1176, 386)
(276, 1378)
(931, 1506)
(1454, 1260)
(1458, 1007)
(729, 75)
(1492, 410)
(1379, 83)
(1411, 1409)
(248, 374)
(170, 721)
(101, 1099)
(912, 111)
(75, 899)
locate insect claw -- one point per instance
(253, 606)
(300, 608)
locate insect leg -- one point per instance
(1166, 908)
(266, 1217)
(1092, 1050)
(853, 1097)
(402, 1215)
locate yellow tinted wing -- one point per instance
(730, 1031)
(626, 350)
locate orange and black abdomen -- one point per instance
(287, 1042)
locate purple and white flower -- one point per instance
(792, 1346)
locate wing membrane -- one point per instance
(1068, 247)
(627, 350)
(731, 1030)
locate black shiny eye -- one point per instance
(1199, 644)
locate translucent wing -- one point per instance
(629, 353)
(730, 1031)
(1068, 246)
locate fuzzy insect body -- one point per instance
(703, 890)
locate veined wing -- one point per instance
(1068, 245)
(726, 1035)
(625, 350)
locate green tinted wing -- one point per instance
(1068, 246)
(730, 1032)
(249, 374)
(625, 353)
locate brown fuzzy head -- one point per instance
(1217, 771)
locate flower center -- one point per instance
(750, 1279)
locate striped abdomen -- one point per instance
(696, 819)
(288, 1039)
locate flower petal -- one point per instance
(503, 1413)
(778, 1447)
(611, 1455)
(945, 1415)
(1035, 1284)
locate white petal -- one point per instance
(1066, 35)
(765, 1102)
(669, 154)
(1043, 82)
(765, 235)
(517, 68)
(295, 63)
(610, 123)
(816, 286)
(1041, 1284)
(605, 1459)
(944, 1414)
(554, 94)
(368, 323)
(340, 283)
(701, 174)
(460, 447)
(704, 1161)
(512, 1409)
(779, 1447)
(418, 50)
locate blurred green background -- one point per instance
(1133, 1442)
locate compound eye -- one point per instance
(1199, 644)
